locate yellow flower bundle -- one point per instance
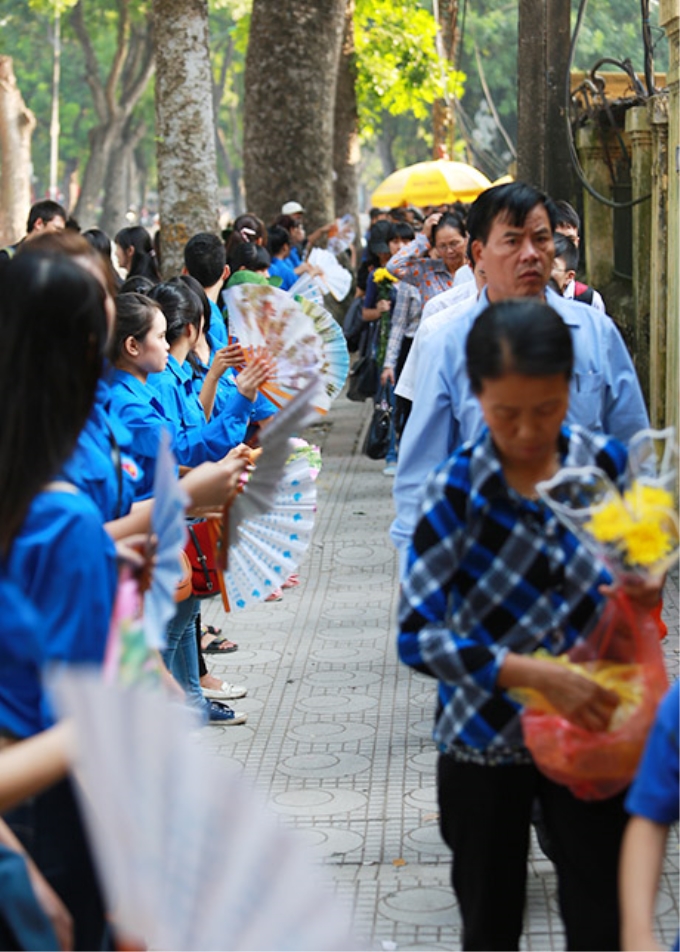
(380, 275)
(639, 524)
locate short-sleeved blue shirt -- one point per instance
(20, 689)
(654, 793)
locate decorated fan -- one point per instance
(188, 856)
(306, 287)
(266, 531)
(334, 279)
(169, 529)
(269, 547)
(335, 363)
(262, 316)
(341, 235)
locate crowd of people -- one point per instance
(500, 368)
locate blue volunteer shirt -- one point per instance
(20, 688)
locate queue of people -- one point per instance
(500, 369)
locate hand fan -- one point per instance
(169, 529)
(306, 287)
(262, 316)
(341, 235)
(188, 856)
(335, 356)
(335, 280)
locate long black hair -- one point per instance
(54, 333)
(144, 261)
(522, 336)
(180, 304)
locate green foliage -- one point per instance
(398, 70)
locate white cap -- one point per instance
(291, 208)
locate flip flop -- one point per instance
(221, 646)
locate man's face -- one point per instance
(517, 259)
(569, 231)
(561, 274)
(52, 226)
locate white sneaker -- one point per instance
(390, 469)
(225, 692)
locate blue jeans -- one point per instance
(391, 456)
(181, 655)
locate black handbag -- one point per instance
(353, 324)
(377, 439)
(364, 376)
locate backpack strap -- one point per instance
(583, 293)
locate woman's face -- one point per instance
(152, 351)
(124, 256)
(524, 415)
(450, 246)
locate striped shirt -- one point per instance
(491, 572)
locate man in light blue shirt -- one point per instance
(511, 238)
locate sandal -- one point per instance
(210, 630)
(220, 646)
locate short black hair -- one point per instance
(277, 239)
(134, 318)
(514, 201)
(567, 215)
(204, 258)
(567, 251)
(523, 336)
(402, 229)
(45, 210)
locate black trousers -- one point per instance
(485, 818)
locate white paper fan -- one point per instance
(263, 316)
(335, 280)
(169, 527)
(306, 287)
(268, 547)
(188, 856)
(341, 235)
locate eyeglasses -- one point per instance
(451, 246)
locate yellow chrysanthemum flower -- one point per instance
(646, 542)
(382, 274)
(610, 522)
(642, 499)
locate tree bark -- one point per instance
(185, 127)
(290, 82)
(118, 183)
(17, 123)
(346, 138)
(114, 102)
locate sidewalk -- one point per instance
(338, 733)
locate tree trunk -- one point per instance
(114, 101)
(443, 120)
(185, 127)
(290, 82)
(118, 184)
(346, 138)
(17, 123)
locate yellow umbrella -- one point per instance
(430, 183)
(503, 180)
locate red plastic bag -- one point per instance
(592, 765)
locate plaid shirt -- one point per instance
(429, 276)
(406, 312)
(492, 572)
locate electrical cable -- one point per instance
(573, 155)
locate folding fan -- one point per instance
(267, 529)
(341, 235)
(335, 279)
(188, 856)
(335, 356)
(262, 316)
(306, 287)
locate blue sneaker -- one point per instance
(223, 715)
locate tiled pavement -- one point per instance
(338, 734)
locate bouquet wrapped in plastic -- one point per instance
(635, 534)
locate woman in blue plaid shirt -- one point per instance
(492, 576)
